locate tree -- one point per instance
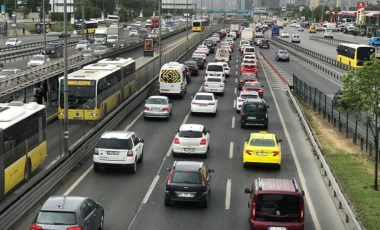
(361, 93)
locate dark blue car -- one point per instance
(374, 41)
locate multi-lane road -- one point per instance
(137, 201)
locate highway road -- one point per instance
(137, 201)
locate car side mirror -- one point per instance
(279, 140)
(142, 140)
(211, 170)
(247, 190)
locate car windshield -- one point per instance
(282, 52)
(190, 134)
(262, 142)
(159, 101)
(37, 58)
(255, 107)
(83, 42)
(186, 177)
(56, 218)
(248, 76)
(100, 48)
(6, 72)
(112, 37)
(249, 49)
(12, 40)
(203, 97)
(113, 143)
(217, 68)
(287, 208)
(51, 45)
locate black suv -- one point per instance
(188, 181)
(54, 49)
(264, 43)
(254, 111)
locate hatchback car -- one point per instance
(214, 85)
(118, 149)
(246, 77)
(243, 96)
(133, 33)
(38, 60)
(254, 111)
(277, 198)
(204, 103)
(204, 49)
(374, 41)
(69, 212)
(254, 86)
(296, 38)
(13, 42)
(82, 44)
(193, 67)
(284, 34)
(264, 44)
(282, 55)
(188, 181)
(262, 148)
(191, 139)
(87, 53)
(199, 53)
(158, 107)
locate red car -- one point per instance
(254, 86)
(249, 68)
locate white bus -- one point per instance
(173, 79)
(23, 146)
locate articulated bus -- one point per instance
(199, 25)
(97, 89)
(23, 146)
(89, 27)
(354, 54)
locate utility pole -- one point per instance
(159, 31)
(44, 21)
(83, 29)
(66, 90)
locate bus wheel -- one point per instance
(27, 171)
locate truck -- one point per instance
(100, 36)
(247, 34)
(275, 30)
(113, 33)
(236, 28)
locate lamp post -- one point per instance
(65, 97)
(44, 21)
(159, 31)
(83, 29)
(187, 25)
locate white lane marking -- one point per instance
(236, 72)
(237, 66)
(133, 122)
(233, 122)
(235, 80)
(228, 194)
(68, 191)
(231, 153)
(234, 104)
(147, 195)
(235, 91)
(296, 160)
(169, 150)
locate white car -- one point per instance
(9, 72)
(244, 95)
(284, 34)
(214, 85)
(248, 61)
(204, 103)
(133, 33)
(300, 28)
(216, 37)
(82, 44)
(13, 42)
(191, 139)
(204, 48)
(118, 148)
(233, 34)
(227, 69)
(199, 53)
(243, 46)
(296, 38)
(38, 60)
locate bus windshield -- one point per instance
(196, 24)
(79, 97)
(364, 53)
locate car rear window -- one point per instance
(186, 177)
(255, 107)
(262, 142)
(159, 101)
(190, 134)
(203, 97)
(249, 49)
(113, 143)
(218, 68)
(213, 79)
(56, 218)
(278, 208)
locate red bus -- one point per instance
(155, 22)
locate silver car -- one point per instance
(282, 55)
(158, 106)
(100, 50)
(69, 212)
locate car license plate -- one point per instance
(202, 104)
(251, 118)
(185, 194)
(188, 149)
(112, 153)
(276, 228)
(261, 154)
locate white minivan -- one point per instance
(215, 69)
(296, 38)
(173, 79)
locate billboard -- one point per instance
(58, 7)
(181, 4)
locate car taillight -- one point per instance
(176, 141)
(266, 115)
(203, 141)
(253, 210)
(242, 80)
(249, 152)
(96, 151)
(165, 109)
(221, 85)
(74, 228)
(276, 153)
(211, 103)
(242, 113)
(203, 182)
(146, 108)
(129, 153)
(260, 90)
(205, 84)
(302, 216)
(240, 99)
(35, 227)
(169, 180)
(194, 103)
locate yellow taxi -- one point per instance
(262, 148)
(312, 29)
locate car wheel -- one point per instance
(204, 203)
(101, 224)
(133, 167)
(237, 111)
(167, 202)
(214, 114)
(96, 167)
(287, 60)
(141, 157)
(278, 167)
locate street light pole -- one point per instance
(159, 32)
(66, 90)
(83, 29)
(187, 25)
(44, 21)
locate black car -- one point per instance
(264, 43)
(200, 62)
(254, 111)
(62, 35)
(246, 77)
(254, 86)
(188, 181)
(210, 45)
(54, 49)
(193, 67)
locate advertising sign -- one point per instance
(148, 47)
(360, 5)
(14, 20)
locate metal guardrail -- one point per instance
(39, 185)
(329, 41)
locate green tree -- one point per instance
(361, 93)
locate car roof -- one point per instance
(261, 134)
(193, 127)
(117, 134)
(276, 184)
(63, 203)
(204, 93)
(160, 97)
(187, 165)
(253, 92)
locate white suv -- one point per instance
(296, 38)
(191, 139)
(118, 148)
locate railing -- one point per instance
(332, 42)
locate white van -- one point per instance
(330, 26)
(222, 55)
(215, 69)
(172, 79)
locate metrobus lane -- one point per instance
(228, 203)
(119, 192)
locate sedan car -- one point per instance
(243, 96)
(200, 62)
(214, 85)
(200, 53)
(300, 28)
(246, 77)
(249, 68)
(254, 86)
(38, 60)
(133, 33)
(188, 181)
(62, 35)
(193, 67)
(191, 139)
(13, 42)
(204, 103)
(69, 212)
(82, 44)
(263, 148)
(9, 72)
(158, 106)
(204, 49)
(87, 53)
(282, 55)
(374, 41)
(284, 34)
(100, 50)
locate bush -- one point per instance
(56, 17)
